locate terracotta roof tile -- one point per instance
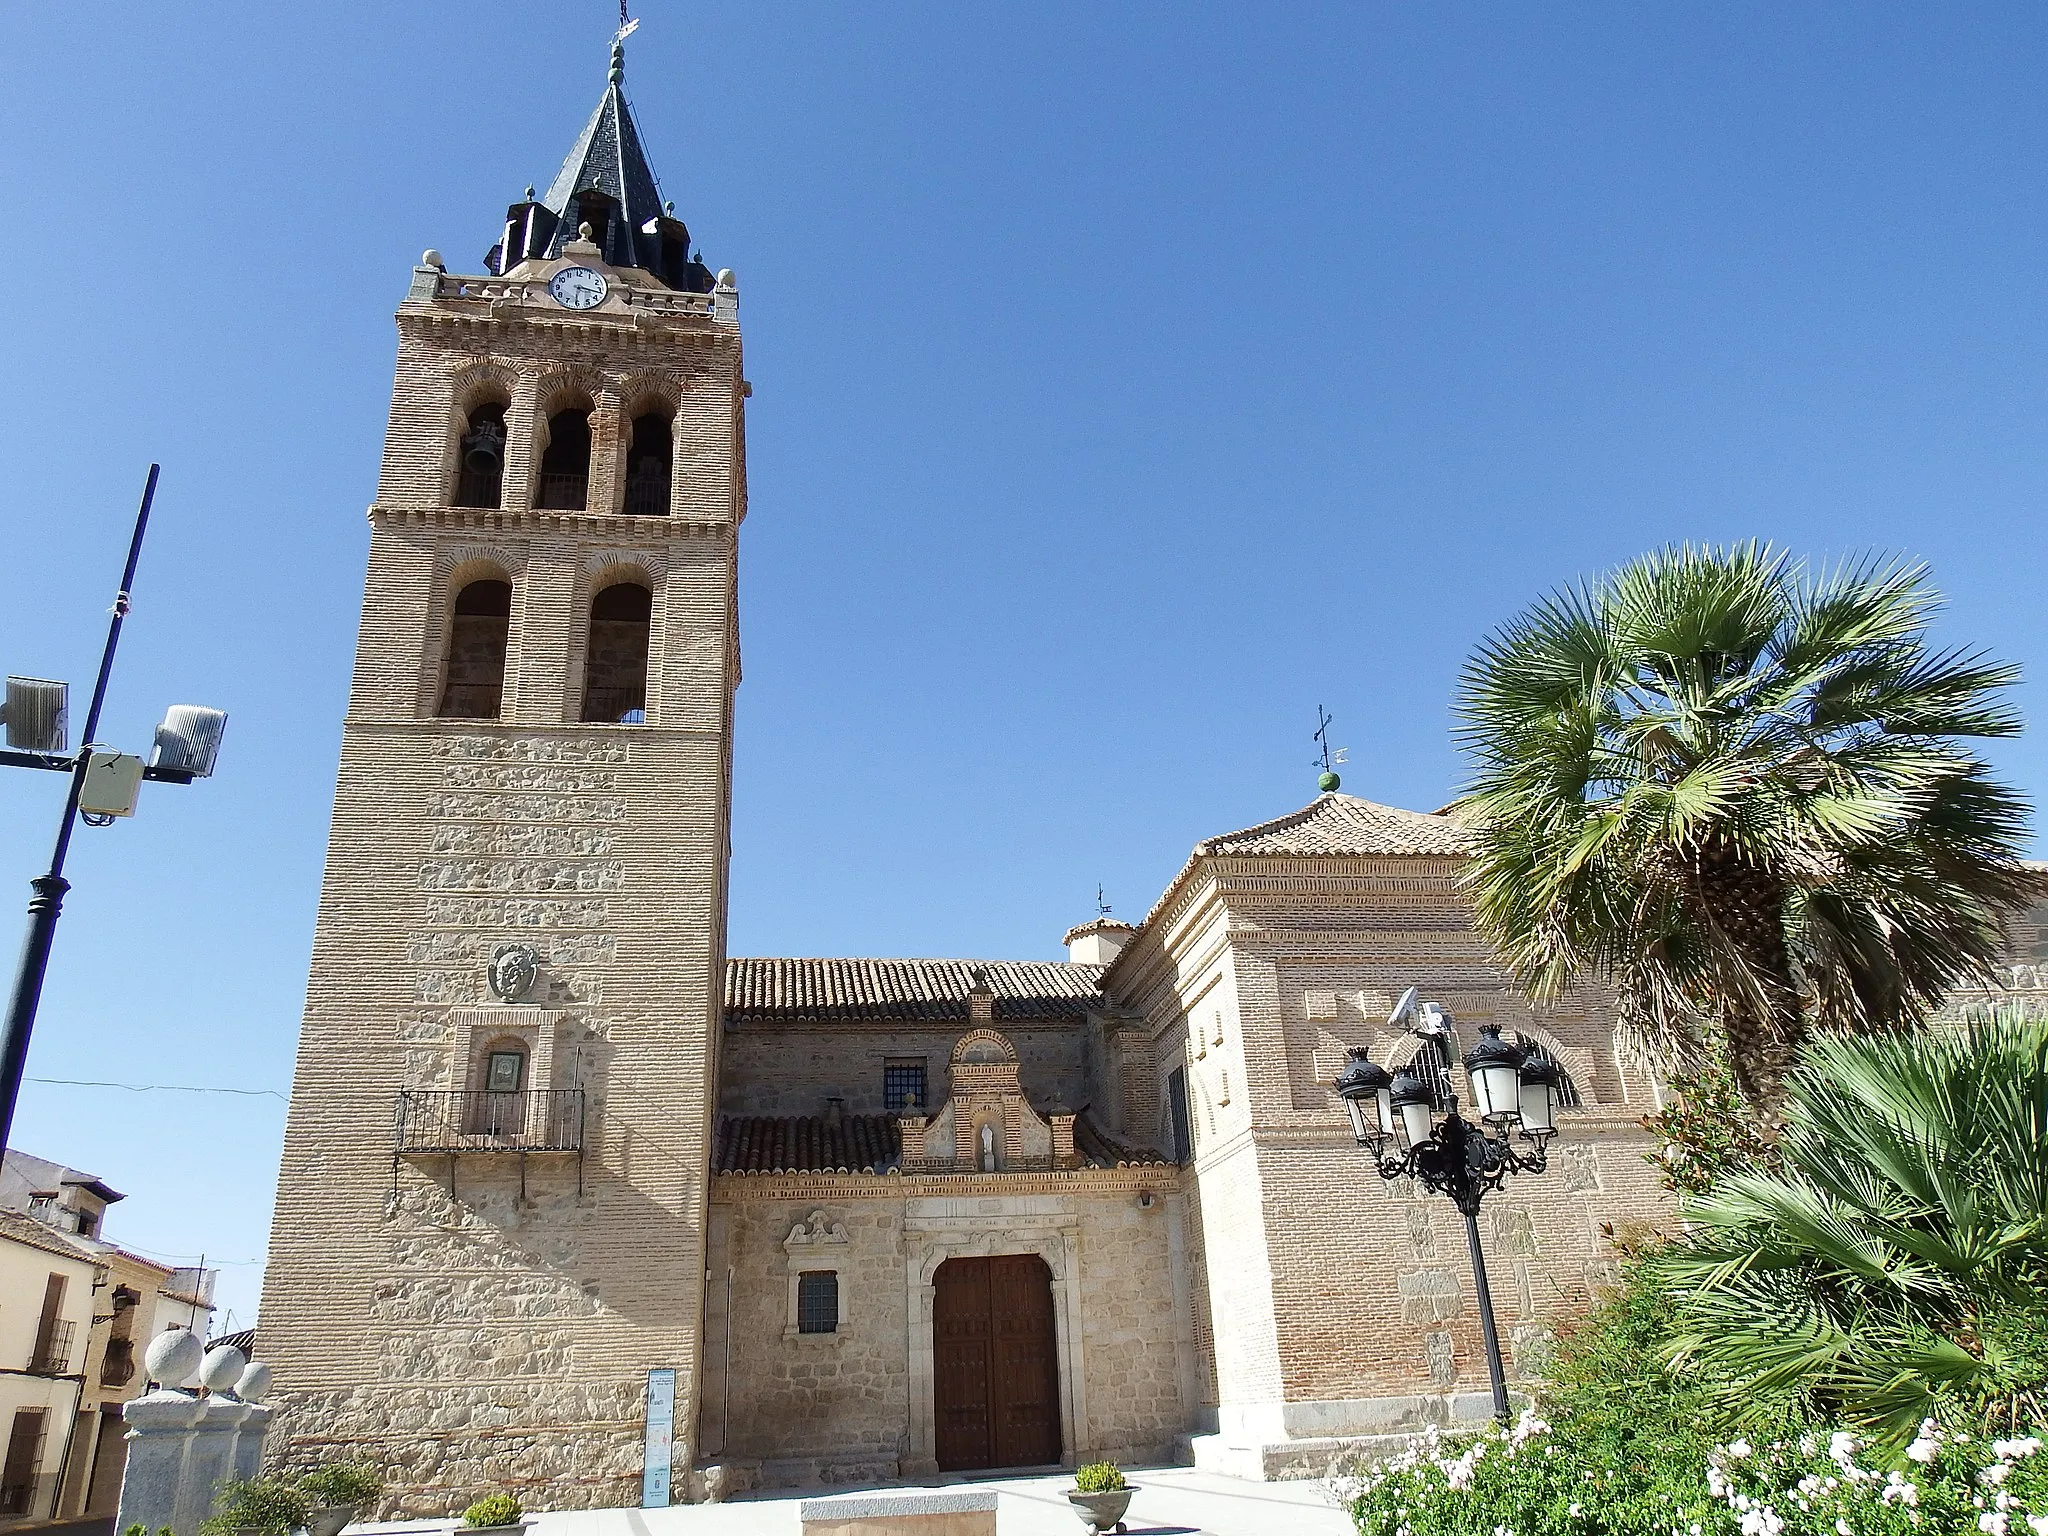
(1341, 824)
(780, 989)
(1107, 1151)
(805, 1144)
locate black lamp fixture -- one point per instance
(1409, 1121)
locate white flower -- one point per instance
(2013, 1450)
(1925, 1449)
(1841, 1445)
(1739, 1449)
(1992, 1525)
(1995, 1474)
(2038, 1524)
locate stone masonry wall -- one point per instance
(789, 1407)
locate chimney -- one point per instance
(1098, 942)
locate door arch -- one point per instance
(995, 1346)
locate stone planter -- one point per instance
(1102, 1511)
(329, 1519)
(514, 1529)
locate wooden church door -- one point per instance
(997, 1383)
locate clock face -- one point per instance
(578, 288)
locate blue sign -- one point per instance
(661, 1433)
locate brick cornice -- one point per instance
(613, 527)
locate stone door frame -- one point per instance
(981, 1228)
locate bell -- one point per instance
(484, 448)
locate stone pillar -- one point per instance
(182, 1446)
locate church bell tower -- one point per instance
(487, 1261)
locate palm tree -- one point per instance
(1737, 794)
(1894, 1265)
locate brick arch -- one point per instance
(454, 570)
(470, 387)
(640, 392)
(479, 1065)
(983, 1036)
(559, 388)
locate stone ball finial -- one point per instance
(431, 258)
(529, 194)
(255, 1383)
(222, 1368)
(727, 283)
(173, 1357)
(584, 231)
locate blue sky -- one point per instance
(1129, 380)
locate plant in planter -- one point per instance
(495, 1512)
(1100, 1496)
(340, 1492)
(260, 1506)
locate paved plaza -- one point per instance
(1172, 1501)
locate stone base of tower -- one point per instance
(440, 1449)
(1284, 1441)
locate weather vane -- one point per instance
(1326, 759)
(1101, 906)
(627, 25)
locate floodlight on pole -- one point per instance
(104, 785)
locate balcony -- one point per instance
(118, 1368)
(52, 1354)
(543, 1120)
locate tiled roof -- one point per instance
(1340, 824)
(245, 1341)
(891, 990)
(26, 1229)
(805, 1144)
(1107, 1151)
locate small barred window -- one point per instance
(817, 1302)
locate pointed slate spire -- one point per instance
(606, 183)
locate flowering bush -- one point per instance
(1537, 1480)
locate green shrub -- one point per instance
(495, 1509)
(1893, 1266)
(267, 1504)
(1098, 1477)
(342, 1482)
(1538, 1480)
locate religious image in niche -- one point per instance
(513, 971)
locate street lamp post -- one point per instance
(1394, 1116)
(103, 786)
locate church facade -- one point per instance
(573, 1204)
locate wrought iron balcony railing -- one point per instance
(52, 1354)
(118, 1368)
(542, 1120)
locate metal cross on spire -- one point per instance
(1327, 758)
(627, 25)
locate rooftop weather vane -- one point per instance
(1327, 759)
(1101, 906)
(627, 25)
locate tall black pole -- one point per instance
(47, 903)
(1487, 1331)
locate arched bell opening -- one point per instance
(615, 665)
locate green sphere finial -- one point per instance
(1328, 782)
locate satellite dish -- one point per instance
(1402, 1009)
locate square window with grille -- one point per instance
(817, 1301)
(903, 1084)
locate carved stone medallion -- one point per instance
(513, 971)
